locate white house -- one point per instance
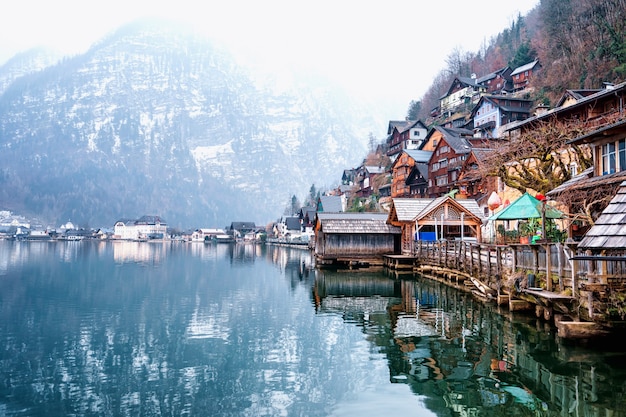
(146, 227)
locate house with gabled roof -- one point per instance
(409, 173)
(408, 134)
(307, 218)
(354, 238)
(431, 219)
(492, 112)
(571, 97)
(450, 150)
(463, 93)
(498, 81)
(365, 179)
(241, 229)
(472, 184)
(523, 74)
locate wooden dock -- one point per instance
(580, 295)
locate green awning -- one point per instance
(526, 207)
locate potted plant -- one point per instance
(525, 230)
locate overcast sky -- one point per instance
(389, 50)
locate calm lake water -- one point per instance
(175, 329)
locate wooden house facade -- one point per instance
(409, 174)
(493, 112)
(408, 134)
(450, 152)
(463, 93)
(354, 238)
(497, 82)
(523, 74)
(432, 219)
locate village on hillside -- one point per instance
(484, 147)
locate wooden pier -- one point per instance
(583, 295)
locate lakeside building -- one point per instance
(146, 227)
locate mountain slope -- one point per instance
(153, 120)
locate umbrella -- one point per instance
(526, 207)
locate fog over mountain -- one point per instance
(154, 120)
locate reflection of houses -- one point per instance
(434, 219)
(146, 227)
(346, 238)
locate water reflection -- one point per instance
(114, 328)
(469, 359)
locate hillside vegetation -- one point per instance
(579, 43)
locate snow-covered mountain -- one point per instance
(155, 120)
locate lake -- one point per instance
(192, 329)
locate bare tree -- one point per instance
(539, 158)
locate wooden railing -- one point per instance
(493, 263)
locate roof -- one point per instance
(576, 95)
(525, 67)
(419, 155)
(557, 110)
(526, 207)
(609, 230)
(330, 203)
(412, 209)
(374, 169)
(601, 133)
(455, 138)
(408, 208)
(242, 225)
(396, 124)
(150, 220)
(356, 223)
(573, 183)
(292, 223)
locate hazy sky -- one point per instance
(389, 50)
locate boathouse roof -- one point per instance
(356, 223)
(411, 209)
(609, 230)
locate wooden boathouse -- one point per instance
(354, 239)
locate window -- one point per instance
(453, 176)
(435, 167)
(573, 169)
(443, 180)
(622, 154)
(608, 158)
(443, 163)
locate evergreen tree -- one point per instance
(414, 110)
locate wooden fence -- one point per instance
(564, 265)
